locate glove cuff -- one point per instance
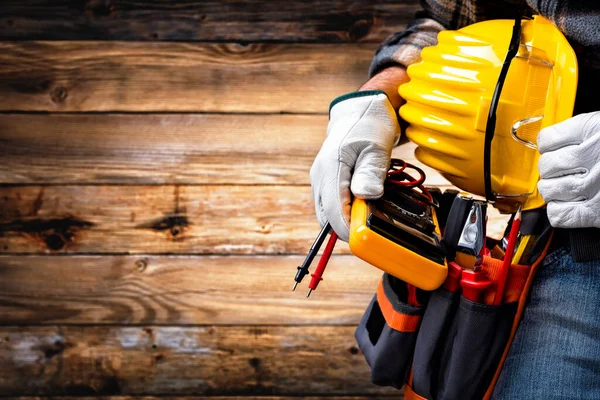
(353, 95)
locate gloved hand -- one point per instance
(570, 171)
(363, 129)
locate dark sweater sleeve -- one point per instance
(404, 48)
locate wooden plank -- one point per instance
(237, 360)
(136, 76)
(167, 397)
(229, 20)
(157, 219)
(161, 219)
(179, 290)
(164, 148)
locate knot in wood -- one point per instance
(55, 241)
(360, 28)
(176, 230)
(99, 9)
(265, 229)
(59, 94)
(141, 265)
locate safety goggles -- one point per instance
(513, 52)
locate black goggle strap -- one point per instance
(490, 126)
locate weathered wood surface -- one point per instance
(237, 360)
(258, 20)
(179, 290)
(164, 148)
(157, 219)
(135, 76)
(161, 219)
(163, 397)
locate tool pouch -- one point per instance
(461, 345)
(450, 348)
(475, 343)
(431, 341)
(388, 331)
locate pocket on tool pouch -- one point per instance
(431, 340)
(477, 339)
(388, 331)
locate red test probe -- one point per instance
(318, 275)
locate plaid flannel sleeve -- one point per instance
(404, 48)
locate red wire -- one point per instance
(398, 176)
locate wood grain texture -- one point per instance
(193, 20)
(237, 360)
(157, 219)
(180, 290)
(164, 149)
(163, 397)
(135, 76)
(163, 219)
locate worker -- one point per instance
(556, 350)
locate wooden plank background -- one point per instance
(155, 202)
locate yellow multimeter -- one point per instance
(399, 234)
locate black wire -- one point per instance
(490, 127)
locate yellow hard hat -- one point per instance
(463, 106)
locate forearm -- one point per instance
(388, 80)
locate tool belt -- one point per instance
(447, 346)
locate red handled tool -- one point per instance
(452, 283)
(474, 283)
(412, 299)
(471, 246)
(318, 275)
(508, 255)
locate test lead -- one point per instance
(318, 275)
(303, 269)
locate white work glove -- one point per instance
(570, 171)
(363, 129)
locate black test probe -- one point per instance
(314, 249)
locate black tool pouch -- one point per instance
(461, 344)
(432, 340)
(388, 331)
(476, 340)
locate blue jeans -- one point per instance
(556, 350)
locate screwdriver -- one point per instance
(510, 248)
(318, 275)
(314, 249)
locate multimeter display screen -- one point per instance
(408, 222)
